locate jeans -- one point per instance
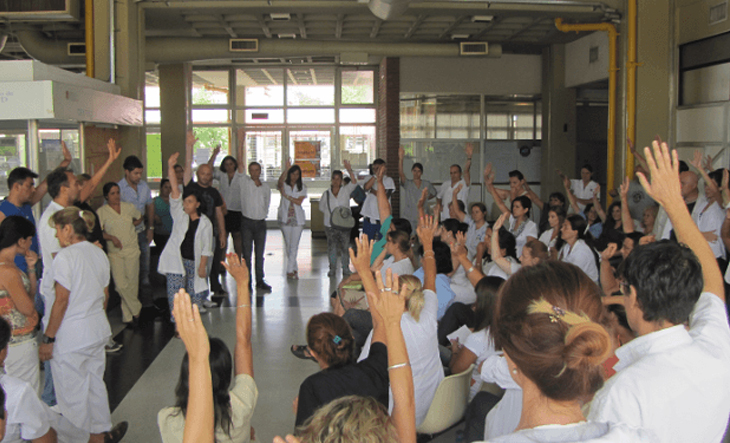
(253, 233)
(144, 258)
(372, 230)
(337, 243)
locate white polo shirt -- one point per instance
(446, 194)
(583, 192)
(582, 256)
(674, 382)
(370, 206)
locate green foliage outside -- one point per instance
(357, 95)
(154, 156)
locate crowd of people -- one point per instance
(576, 323)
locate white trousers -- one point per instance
(22, 362)
(125, 270)
(292, 234)
(78, 377)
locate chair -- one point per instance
(449, 403)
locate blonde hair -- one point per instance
(416, 300)
(350, 419)
(81, 221)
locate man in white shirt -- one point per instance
(369, 211)
(255, 200)
(446, 190)
(672, 380)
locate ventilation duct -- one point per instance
(387, 9)
(76, 49)
(473, 48)
(243, 45)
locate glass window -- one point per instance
(311, 151)
(259, 116)
(210, 87)
(417, 116)
(357, 144)
(458, 116)
(152, 116)
(358, 87)
(208, 138)
(51, 153)
(358, 115)
(12, 155)
(260, 87)
(498, 126)
(154, 154)
(152, 90)
(211, 116)
(265, 147)
(315, 115)
(310, 86)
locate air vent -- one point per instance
(473, 48)
(243, 45)
(76, 49)
(718, 13)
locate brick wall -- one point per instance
(95, 140)
(388, 131)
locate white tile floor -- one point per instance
(277, 324)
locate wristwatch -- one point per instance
(48, 340)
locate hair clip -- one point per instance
(81, 213)
(337, 339)
(558, 313)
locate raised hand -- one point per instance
(469, 150)
(172, 161)
(664, 172)
(31, 258)
(697, 159)
(114, 151)
(458, 248)
(500, 221)
(566, 182)
(390, 303)
(348, 166)
(237, 269)
(424, 197)
(632, 148)
(645, 240)
(488, 172)
(707, 164)
(609, 252)
(288, 164)
(190, 139)
(725, 178)
(401, 153)
(458, 188)
(191, 329)
(624, 188)
(426, 229)
(380, 173)
(597, 192)
(361, 259)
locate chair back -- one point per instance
(449, 403)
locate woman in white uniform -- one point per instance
(575, 250)
(186, 259)
(77, 328)
(549, 324)
(291, 214)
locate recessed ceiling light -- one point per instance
(482, 18)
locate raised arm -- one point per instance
(724, 187)
(91, 185)
(216, 151)
(190, 141)
(383, 203)
(640, 158)
(665, 189)
(42, 187)
(282, 177)
(243, 356)
(495, 250)
(569, 193)
(199, 420)
(469, 150)
(697, 163)
(503, 194)
(473, 273)
(425, 230)
(401, 174)
(533, 196)
(241, 152)
(348, 168)
(597, 204)
(609, 284)
(388, 306)
(626, 221)
(171, 162)
(489, 182)
(458, 213)
(421, 203)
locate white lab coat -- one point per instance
(171, 261)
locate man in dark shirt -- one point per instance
(214, 211)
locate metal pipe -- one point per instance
(631, 84)
(112, 43)
(612, 69)
(89, 34)
(33, 157)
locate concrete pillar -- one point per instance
(175, 83)
(130, 56)
(102, 70)
(388, 128)
(558, 121)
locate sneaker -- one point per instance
(113, 346)
(202, 309)
(209, 304)
(263, 286)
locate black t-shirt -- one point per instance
(96, 234)
(368, 378)
(211, 198)
(187, 247)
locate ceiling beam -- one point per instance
(338, 27)
(314, 76)
(302, 26)
(269, 76)
(264, 27)
(454, 25)
(227, 27)
(524, 28)
(415, 25)
(376, 28)
(291, 77)
(489, 26)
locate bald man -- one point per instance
(213, 203)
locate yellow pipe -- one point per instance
(89, 31)
(631, 85)
(612, 69)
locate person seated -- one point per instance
(444, 268)
(419, 327)
(505, 241)
(548, 322)
(648, 218)
(551, 237)
(589, 212)
(576, 249)
(234, 407)
(532, 253)
(476, 221)
(674, 378)
(520, 224)
(358, 419)
(452, 228)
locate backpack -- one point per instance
(358, 195)
(340, 217)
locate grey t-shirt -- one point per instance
(638, 200)
(409, 199)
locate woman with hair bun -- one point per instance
(77, 328)
(548, 322)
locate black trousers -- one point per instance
(455, 317)
(253, 233)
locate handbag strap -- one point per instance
(329, 204)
